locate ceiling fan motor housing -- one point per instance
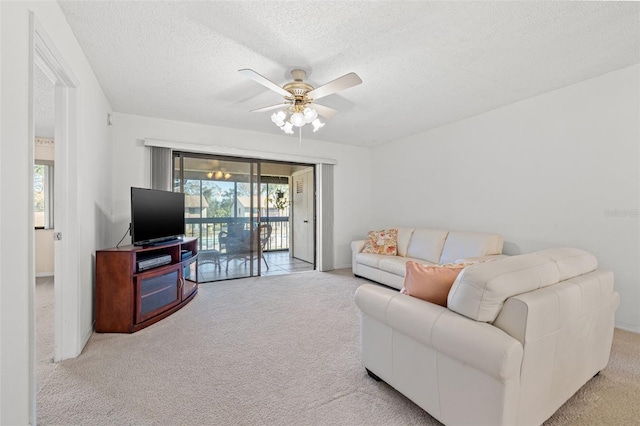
(298, 88)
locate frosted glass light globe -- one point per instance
(298, 120)
(288, 128)
(317, 125)
(310, 114)
(278, 118)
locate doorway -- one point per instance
(240, 210)
(68, 338)
(43, 211)
(303, 213)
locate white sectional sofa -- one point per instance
(519, 337)
(425, 246)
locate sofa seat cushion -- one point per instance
(370, 259)
(398, 265)
(461, 245)
(426, 244)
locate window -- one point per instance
(43, 194)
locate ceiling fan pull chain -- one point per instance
(300, 136)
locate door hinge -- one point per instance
(57, 236)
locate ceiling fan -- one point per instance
(300, 107)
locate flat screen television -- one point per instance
(156, 216)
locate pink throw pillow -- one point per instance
(430, 283)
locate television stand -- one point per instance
(128, 299)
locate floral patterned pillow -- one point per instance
(382, 242)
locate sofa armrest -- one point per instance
(481, 259)
(356, 247)
(373, 300)
(479, 345)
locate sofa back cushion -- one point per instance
(571, 262)
(461, 245)
(480, 290)
(426, 244)
(404, 236)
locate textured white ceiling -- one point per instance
(423, 64)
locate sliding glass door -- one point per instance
(221, 209)
(242, 212)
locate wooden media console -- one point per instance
(128, 300)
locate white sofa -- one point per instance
(425, 246)
(519, 337)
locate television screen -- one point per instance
(156, 216)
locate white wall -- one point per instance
(352, 190)
(92, 174)
(560, 169)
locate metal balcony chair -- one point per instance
(239, 246)
(264, 233)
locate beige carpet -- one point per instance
(279, 350)
(45, 314)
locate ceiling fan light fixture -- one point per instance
(278, 118)
(310, 114)
(300, 97)
(298, 119)
(288, 128)
(317, 124)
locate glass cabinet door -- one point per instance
(157, 291)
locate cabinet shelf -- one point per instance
(128, 300)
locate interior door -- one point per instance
(303, 215)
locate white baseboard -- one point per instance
(86, 336)
(628, 327)
(343, 266)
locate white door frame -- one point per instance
(45, 55)
(309, 198)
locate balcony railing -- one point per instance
(208, 229)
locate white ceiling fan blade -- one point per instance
(269, 108)
(264, 81)
(324, 111)
(341, 83)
